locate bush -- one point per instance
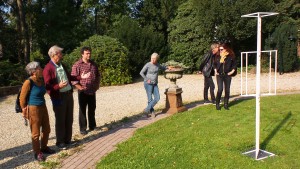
(287, 48)
(11, 74)
(141, 42)
(111, 57)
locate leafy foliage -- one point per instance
(284, 40)
(141, 42)
(11, 74)
(111, 57)
(187, 41)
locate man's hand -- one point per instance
(79, 87)
(85, 75)
(63, 84)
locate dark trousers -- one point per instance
(64, 118)
(223, 80)
(209, 84)
(84, 101)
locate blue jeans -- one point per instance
(151, 89)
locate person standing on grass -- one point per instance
(33, 104)
(86, 89)
(225, 67)
(206, 68)
(57, 80)
(150, 75)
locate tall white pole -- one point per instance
(258, 84)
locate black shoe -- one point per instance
(226, 106)
(70, 143)
(207, 102)
(39, 157)
(218, 107)
(47, 150)
(213, 102)
(83, 132)
(61, 146)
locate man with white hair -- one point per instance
(57, 81)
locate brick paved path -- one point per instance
(95, 150)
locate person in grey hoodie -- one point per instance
(150, 75)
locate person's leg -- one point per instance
(83, 101)
(220, 90)
(156, 96)
(35, 124)
(205, 90)
(69, 116)
(45, 127)
(227, 82)
(212, 88)
(91, 111)
(149, 91)
(60, 129)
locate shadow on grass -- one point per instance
(275, 130)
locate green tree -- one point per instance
(141, 42)
(284, 39)
(187, 39)
(157, 14)
(111, 57)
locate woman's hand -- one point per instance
(231, 72)
(25, 112)
(216, 72)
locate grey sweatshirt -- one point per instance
(150, 71)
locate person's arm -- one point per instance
(50, 82)
(24, 93)
(203, 61)
(143, 71)
(76, 73)
(233, 67)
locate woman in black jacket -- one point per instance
(225, 67)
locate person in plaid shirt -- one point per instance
(86, 89)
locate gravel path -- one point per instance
(113, 104)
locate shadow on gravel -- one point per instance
(19, 156)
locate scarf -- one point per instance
(223, 56)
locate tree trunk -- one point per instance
(24, 32)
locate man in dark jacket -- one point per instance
(206, 68)
(57, 81)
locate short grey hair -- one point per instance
(53, 50)
(31, 67)
(155, 55)
(214, 45)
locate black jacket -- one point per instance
(227, 66)
(206, 66)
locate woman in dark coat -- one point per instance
(225, 67)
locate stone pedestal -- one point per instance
(174, 101)
(173, 93)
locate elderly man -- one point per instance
(57, 81)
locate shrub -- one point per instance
(111, 57)
(11, 74)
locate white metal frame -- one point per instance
(258, 15)
(246, 54)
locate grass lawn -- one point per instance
(207, 138)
